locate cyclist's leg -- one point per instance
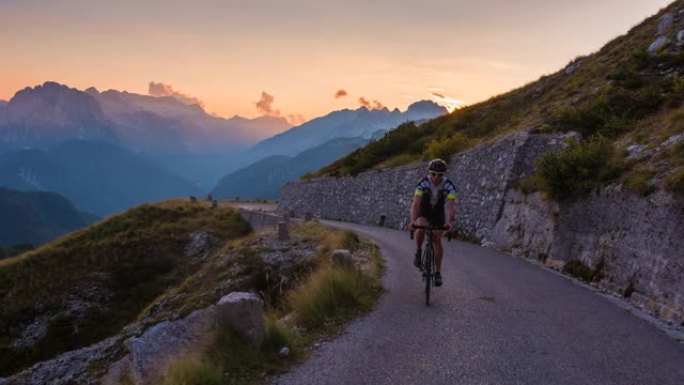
(420, 234)
(439, 250)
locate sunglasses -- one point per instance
(434, 173)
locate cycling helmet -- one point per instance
(437, 166)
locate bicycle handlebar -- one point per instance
(433, 228)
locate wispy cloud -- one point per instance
(161, 89)
(439, 96)
(340, 93)
(264, 105)
(374, 105)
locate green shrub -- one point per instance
(444, 148)
(577, 169)
(331, 294)
(675, 182)
(277, 336)
(193, 371)
(638, 181)
(613, 111)
(578, 270)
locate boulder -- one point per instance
(341, 257)
(665, 23)
(243, 313)
(657, 45)
(168, 341)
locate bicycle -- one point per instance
(427, 261)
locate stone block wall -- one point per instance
(481, 175)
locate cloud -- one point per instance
(264, 105)
(161, 89)
(295, 119)
(440, 97)
(340, 93)
(374, 105)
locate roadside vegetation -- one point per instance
(324, 299)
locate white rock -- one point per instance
(284, 352)
(657, 45)
(634, 149)
(665, 23)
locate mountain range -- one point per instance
(37, 217)
(51, 113)
(98, 176)
(265, 178)
(289, 155)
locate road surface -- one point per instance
(496, 320)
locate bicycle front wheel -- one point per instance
(429, 261)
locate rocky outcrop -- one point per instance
(149, 354)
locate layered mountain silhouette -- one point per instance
(109, 150)
(165, 124)
(265, 178)
(36, 217)
(305, 148)
(343, 124)
(98, 176)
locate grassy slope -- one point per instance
(641, 98)
(94, 281)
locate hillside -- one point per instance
(37, 217)
(86, 285)
(630, 92)
(136, 285)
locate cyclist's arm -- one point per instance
(415, 207)
(451, 206)
(450, 211)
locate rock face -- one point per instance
(150, 353)
(244, 313)
(636, 241)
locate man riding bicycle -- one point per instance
(434, 195)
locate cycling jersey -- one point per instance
(433, 199)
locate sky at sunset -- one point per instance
(302, 59)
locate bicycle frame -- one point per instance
(428, 266)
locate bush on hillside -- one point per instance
(444, 148)
(577, 169)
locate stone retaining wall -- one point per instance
(481, 175)
(639, 241)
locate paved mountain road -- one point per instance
(496, 320)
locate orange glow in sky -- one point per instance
(226, 54)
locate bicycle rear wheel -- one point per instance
(429, 261)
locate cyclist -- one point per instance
(433, 204)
